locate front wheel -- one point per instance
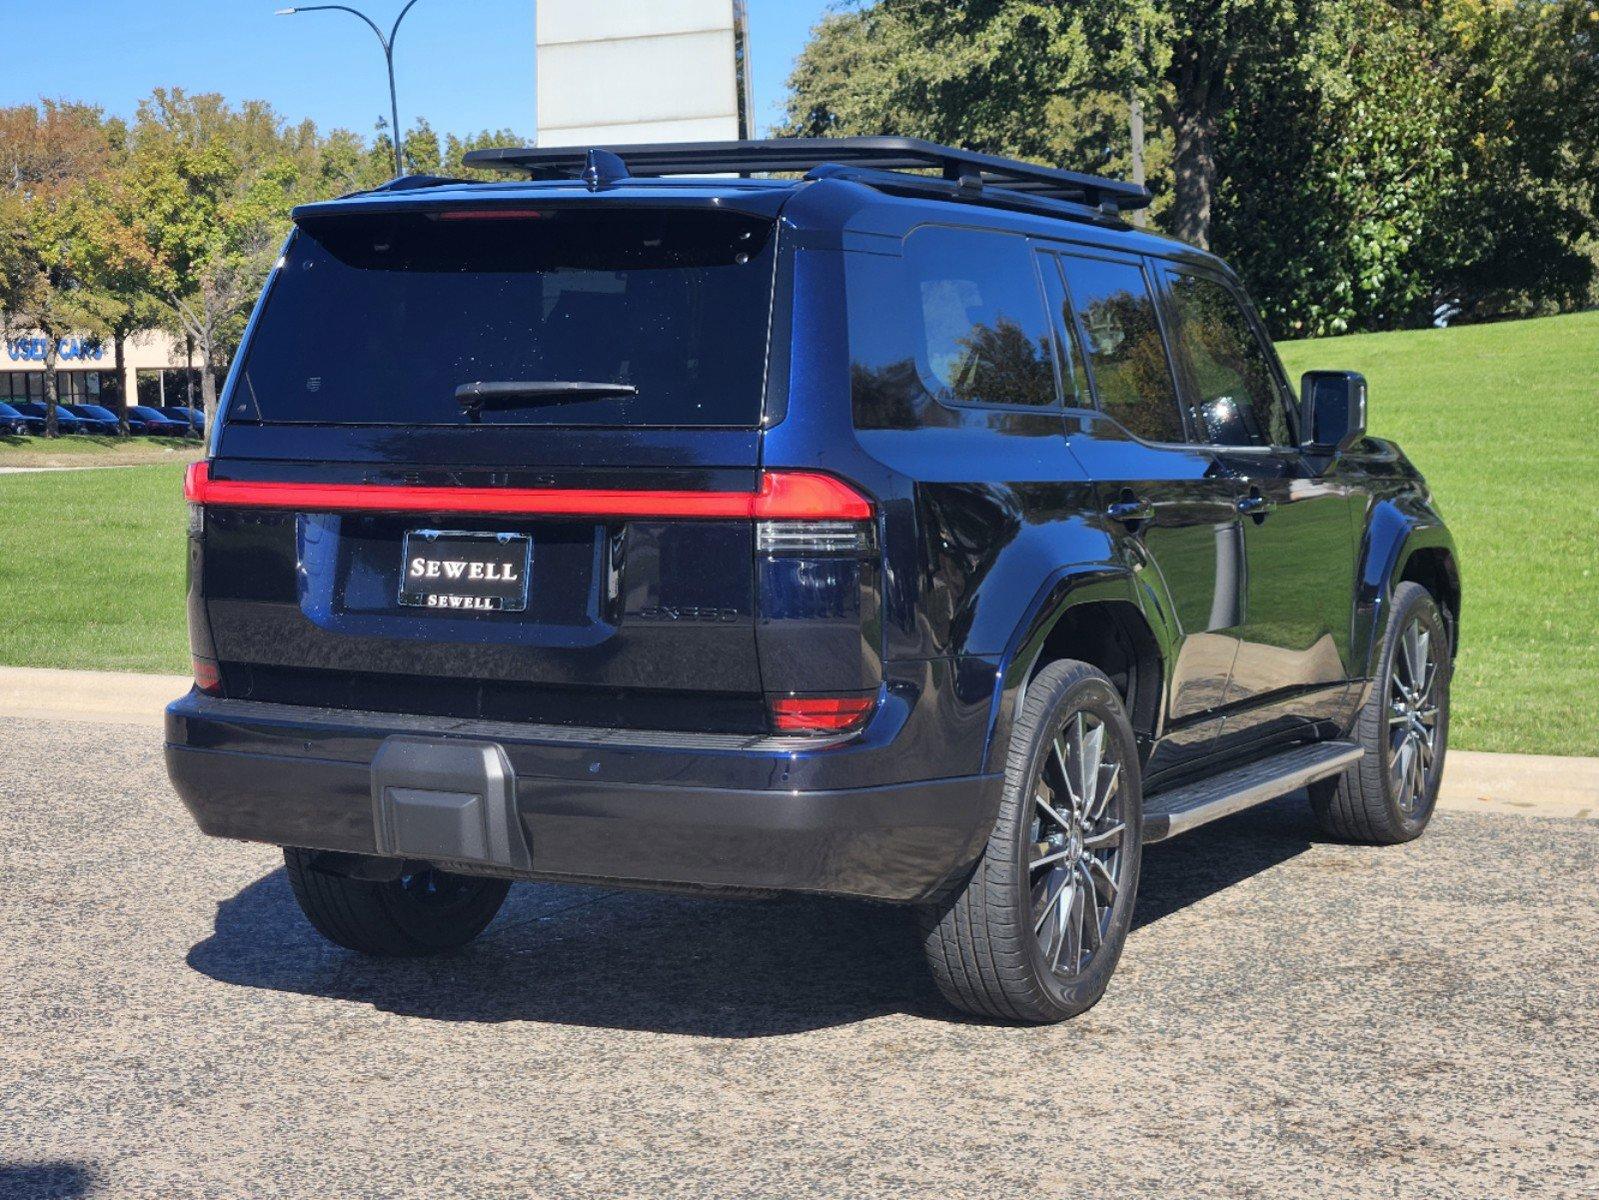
(1388, 796)
(1036, 931)
(423, 911)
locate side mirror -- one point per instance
(1332, 410)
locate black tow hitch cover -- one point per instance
(447, 800)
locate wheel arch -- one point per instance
(1405, 541)
(1434, 568)
(1092, 613)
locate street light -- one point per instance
(388, 56)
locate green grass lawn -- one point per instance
(1503, 419)
(1504, 422)
(91, 569)
(95, 450)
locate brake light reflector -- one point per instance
(207, 675)
(820, 714)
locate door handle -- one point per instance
(1255, 505)
(1133, 509)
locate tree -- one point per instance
(457, 148)
(118, 270)
(1333, 159)
(422, 154)
(1516, 218)
(1020, 76)
(48, 155)
(1358, 159)
(213, 187)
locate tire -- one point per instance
(423, 912)
(995, 945)
(1381, 800)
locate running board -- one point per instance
(1185, 808)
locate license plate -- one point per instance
(465, 572)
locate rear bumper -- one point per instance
(591, 806)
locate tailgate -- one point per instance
(465, 463)
(614, 598)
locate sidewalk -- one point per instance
(1522, 784)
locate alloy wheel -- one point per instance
(1074, 847)
(1412, 717)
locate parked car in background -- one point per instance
(66, 420)
(194, 418)
(96, 419)
(101, 413)
(16, 422)
(157, 423)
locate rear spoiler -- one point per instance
(705, 195)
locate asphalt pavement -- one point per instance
(1292, 1017)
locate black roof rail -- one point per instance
(970, 169)
(409, 183)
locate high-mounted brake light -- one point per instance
(782, 496)
(488, 214)
(820, 714)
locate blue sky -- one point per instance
(464, 64)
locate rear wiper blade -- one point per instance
(515, 393)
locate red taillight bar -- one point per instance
(783, 496)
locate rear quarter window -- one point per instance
(958, 319)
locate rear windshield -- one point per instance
(378, 320)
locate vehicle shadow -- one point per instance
(46, 1180)
(672, 964)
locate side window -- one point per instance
(1236, 401)
(983, 336)
(1121, 340)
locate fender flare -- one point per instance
(1395, 533)
(1062, 590)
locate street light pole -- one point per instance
(388, 57)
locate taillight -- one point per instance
(802, 513)
(805, 496)
(813, 537)
(781, 496)
(195, 479)
(820, 714)
(207, 675)
(194, 491)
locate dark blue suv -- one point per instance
(909, 528)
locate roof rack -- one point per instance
(966, 168)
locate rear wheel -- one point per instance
(1036, 932)
(1388, 796)
(421, 912)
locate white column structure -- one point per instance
(612, 72)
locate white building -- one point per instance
(612, 72)
(157, 370)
